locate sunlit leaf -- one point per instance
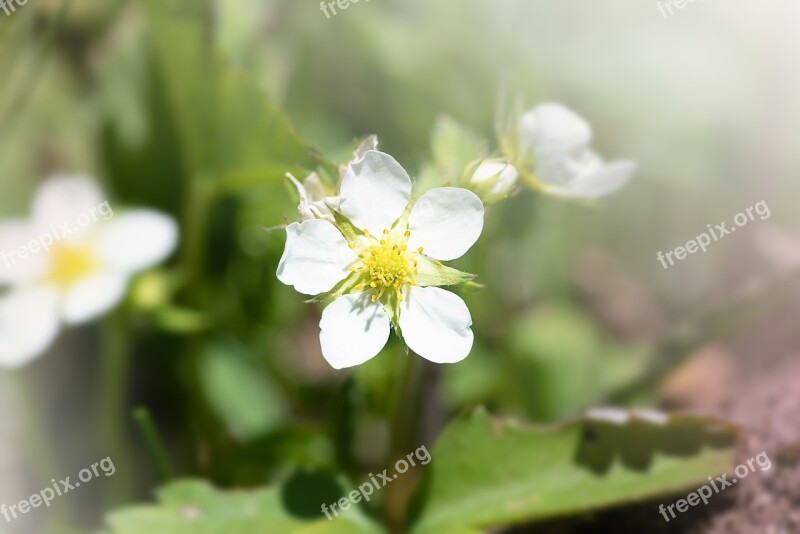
(488, 472)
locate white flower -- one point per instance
(494, 179)
(382, 265)
(314, 203)
(558, 142)
(70, 263)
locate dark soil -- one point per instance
(767, 407)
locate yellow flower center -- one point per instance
(70, 263)
(386, 263)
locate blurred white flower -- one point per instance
(79, 275)
(494, 179)
(557, 142)
(382, 265)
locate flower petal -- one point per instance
(61, 200)
(28, 324)
(605, 179)
(436, 324)
(552, 129)
(446, 221)
(316, 257)
(137, 240)
(500, 175)
(353, 329)
(375, 191)
(17, 236)
(93, 296)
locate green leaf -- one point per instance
(195, 507)
(487, 472)
(242, 395)
(229, 130)
(563, 363)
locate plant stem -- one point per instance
(112, 398)
(400, 410)
(154, 444)
(39, 443)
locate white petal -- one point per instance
(375, 191)
(316, 257)
(553, 129)
(353, 329)
(436, 324)
(70, 203)
(93, 296)
(18, 239)
(603, 180)
(137, 240)
(446, 221)
(28, 324)
(502, 173)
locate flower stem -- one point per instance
(154, 443)
(40, 443)
(403, 431)
(401, 409)
(112, 397)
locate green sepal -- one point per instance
(433, 273)
(342, 288)
(349, 231)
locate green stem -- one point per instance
(400, 410)
(402, 433)
(39, 443)
(112, 399)
(154, 444)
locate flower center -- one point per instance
(70, 263)
(386, 263)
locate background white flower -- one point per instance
(494, 179)
(381, 266)
(81, 275)
(558, 142)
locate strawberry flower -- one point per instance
(70, 263)
(379, 265)
(551, 148)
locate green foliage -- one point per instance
(245, 399)
(563, 363)
(454, 146)
(194, 507)
(489, 472)
(231, 132)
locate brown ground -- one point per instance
(767, 407)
